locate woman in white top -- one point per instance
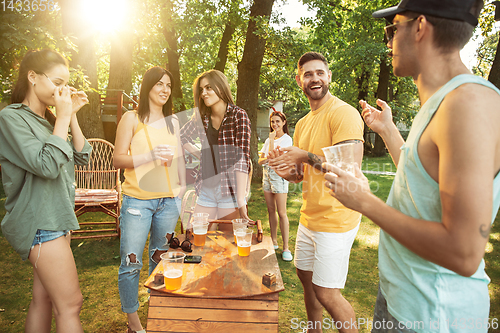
(276, 188)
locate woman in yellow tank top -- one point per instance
(148, 147)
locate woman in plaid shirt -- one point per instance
(224, 133)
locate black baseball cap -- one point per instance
(460, 10)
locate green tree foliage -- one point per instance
(487, 19)
(486, 22)
(343, 30)
(353, 41)
(21, 31)
(277, 78)
(485, 55)
(199, 26)
(202, 27)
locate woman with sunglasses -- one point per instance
(38, 160)
(276, 188)
(224, 131)
(148, 147)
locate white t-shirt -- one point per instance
(283, 142)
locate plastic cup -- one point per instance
(173, 267)
(341, 155)
(244, 241)
(239, 224)
(169, 156)
(200, 217)
(200, 233)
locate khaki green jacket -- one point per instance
(38, 177)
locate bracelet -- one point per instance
(152, 156)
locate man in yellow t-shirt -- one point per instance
(327, 229)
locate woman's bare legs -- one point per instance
(55, 282)
(39, 318)
(284, 225)
(271, 211)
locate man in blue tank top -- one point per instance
(446, 193)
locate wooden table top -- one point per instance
(222, 273)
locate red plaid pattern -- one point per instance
(234, 146)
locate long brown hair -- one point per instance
(38, 61)
(151, 77)
(282, 116)
(220, 85)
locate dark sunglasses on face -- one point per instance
(390, 30)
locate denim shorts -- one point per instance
(271, 182)
(43, 236)
(212, 197)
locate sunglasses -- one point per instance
(48, 78)
(175, 243)
(390, 30)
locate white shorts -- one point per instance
(326, 254)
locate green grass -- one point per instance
(98, 261)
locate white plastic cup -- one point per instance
(200, 233)
(341, 155)
(200, 217)
(173, 268)
(197, 218)
(167, 153)
(244, 241)
(239, 224)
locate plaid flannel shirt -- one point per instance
(234, 146)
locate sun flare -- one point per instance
(106, 16)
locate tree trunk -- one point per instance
(172, 55)
(362, 82)
(89, 116)
(233, 17)
(249, 73)
(382, 93)
(494, 76)
(120, 62)
(223, 48)
(383, 80)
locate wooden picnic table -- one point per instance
(223, 293)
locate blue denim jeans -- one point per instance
(138, 218)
